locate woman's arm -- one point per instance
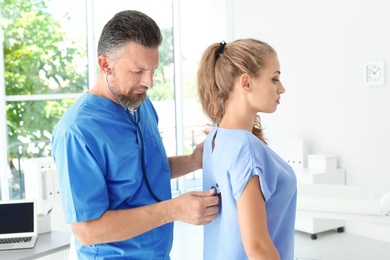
(181, 165)
(253, 223)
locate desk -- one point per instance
(47, 243)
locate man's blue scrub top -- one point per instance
(97, 153)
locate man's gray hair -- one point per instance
(129, 26)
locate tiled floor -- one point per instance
(329, 245)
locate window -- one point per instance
(49, 59)
(45, 68)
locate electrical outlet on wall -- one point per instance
(374, 73)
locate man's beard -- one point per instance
(131, 100)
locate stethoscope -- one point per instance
(135, 119)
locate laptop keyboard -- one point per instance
(15, 240)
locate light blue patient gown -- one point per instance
(238, 156)
(97, 154)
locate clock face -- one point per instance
(374, 73)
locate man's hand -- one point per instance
(196, 207)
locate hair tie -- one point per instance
(222, 47)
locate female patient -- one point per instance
(258, 188)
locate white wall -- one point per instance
(322, 47)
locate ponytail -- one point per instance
(220, 65)
(208, 90)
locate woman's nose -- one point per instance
(281, 89)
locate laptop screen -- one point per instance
(16, 218)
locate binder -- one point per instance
(48, 184)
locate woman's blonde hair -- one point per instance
(220, 65)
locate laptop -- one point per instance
(18, 224)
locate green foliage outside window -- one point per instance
(38, 59)
(163, 85)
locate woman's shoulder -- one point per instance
(239, 137)
(237, 141)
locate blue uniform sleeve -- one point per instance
(82, 185)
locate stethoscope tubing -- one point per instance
(136, 119)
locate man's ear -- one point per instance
(103, 63)
(245, 82)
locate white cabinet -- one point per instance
(305, 221)
(306, 175)
(41, 184)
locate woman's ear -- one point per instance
(245, 82)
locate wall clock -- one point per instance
(374, 73)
